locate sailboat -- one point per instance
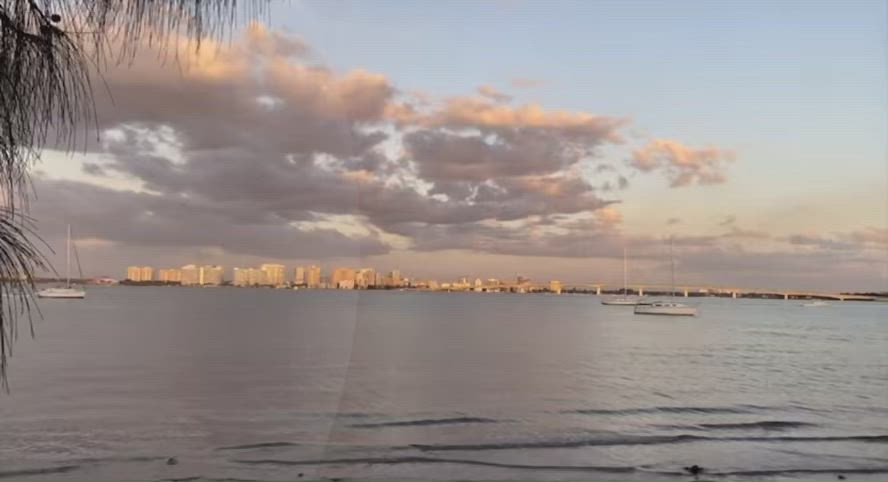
(670, 307)
(623, 300)
(66, 293)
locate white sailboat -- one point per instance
(670, 307)
(624, 299)
(66, 293)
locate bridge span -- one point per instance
(732, 292)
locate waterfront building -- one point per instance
(299, 276)
(170, 275)
(314, 277)
(275, 274)
(190, 275)
(211, 275)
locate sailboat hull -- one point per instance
(665, 309)
(620, 302)
(62, 293)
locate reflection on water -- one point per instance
(270, 384)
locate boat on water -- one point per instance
(624, 299)
(68, 292)
(815, 304)
(667, 307)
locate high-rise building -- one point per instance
(365, 278)
(249, 277)
(190, 275)
(299, 276)
(380, 280)
(275, 274)
(170, 275)
(346, 284)
(314, 277)
(555, 286)
(211, 275)
(140, 273)
(342, 274)
(396, 277)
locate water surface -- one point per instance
(270, 384)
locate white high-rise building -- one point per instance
(314, 277)
(299, 276)
(140, 273)
(170, 275)
(211, 275)
(275, 274)
(249, 277)
(365, 278)
(190, 275)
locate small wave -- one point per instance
(764, 425)
(643, 440)
(61, 469)
(262, 445)
(135, 458)
(426, 421)
(636, 411)
(782, 472)
(208, 479)
(433, 460)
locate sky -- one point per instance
(491, 139)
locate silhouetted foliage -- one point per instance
(51, 51)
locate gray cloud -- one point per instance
(141, 219)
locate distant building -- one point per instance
(395, 276)
(299, 276)
(170, 275)
(522, 280)
(140, 273)
(275, 274)
(365, 278)
(313, 277)
(190, 275)
(343, 274)
(479, 286)
(250, 277)
(346, 284)
(555, 286)
(211, 275)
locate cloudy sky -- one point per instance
(500, 138)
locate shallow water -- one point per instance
(268, 384)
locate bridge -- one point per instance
(680, 290)
(733, 292)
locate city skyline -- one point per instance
(766, 166)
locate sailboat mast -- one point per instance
(672, 264)
(625, 275)
(68, 259)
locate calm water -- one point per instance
(268, 384)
